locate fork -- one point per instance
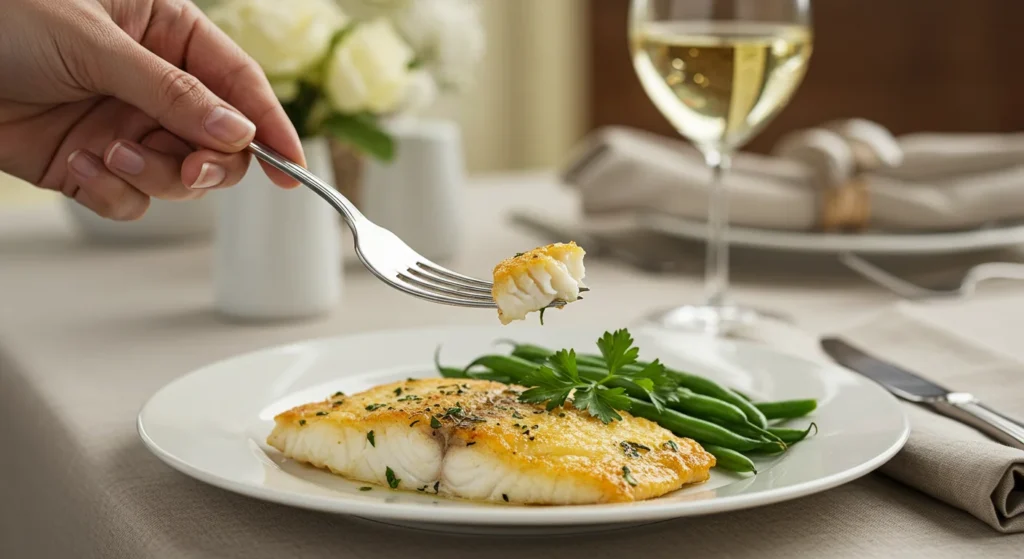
(384, 254)
(903, 288)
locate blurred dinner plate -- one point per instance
(945, 242)
(212, 425)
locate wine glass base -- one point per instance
(708, 319)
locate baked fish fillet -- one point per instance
(473, 439)
(530, 281)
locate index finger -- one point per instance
(235, 77)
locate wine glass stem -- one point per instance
(717, 266)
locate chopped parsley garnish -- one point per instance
(338, 393)
(505, 497)
(393, 481)
(369, 437)
(302, 422)
(398, 391)
(561, 414)
(436, 485)
(633, 449)
(338, 403)
(518, 254)
(321, 413)
(516, 415)
(414, 423)
(372, 407)
(364, 488)
(628, 476)
(471, 443)
(434, 423)
(409, 398)
(670, 444)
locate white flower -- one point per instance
(447, 36)
(368, 70)
(285, 38)
(420, 93)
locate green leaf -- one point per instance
(362, 132)
(655, 381)
(617, 350)
(393, 481)
(369, 437)
(554, 396)
(602, 402)
(564, 364)
(628, 476)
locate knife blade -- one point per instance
(961, 406)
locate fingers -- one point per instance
(103, 192)
(215, 59)
(176, 99)
(174, 175)
(207, 169)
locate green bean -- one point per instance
(729, 459)
(446, 372)
(706, 407)
(533, 353)
(752, 431)
(698, 429)
(513, 366)
(787, 409)
(743, 395)
(696, 384)
(792, 436)
(708, 387)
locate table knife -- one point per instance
(960, 406)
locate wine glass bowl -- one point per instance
(719, 71)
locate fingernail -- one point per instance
(125, 159)
(210, 175)
(229, 127)
(83, 165)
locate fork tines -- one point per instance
(440, 285)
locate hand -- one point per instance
(112, 102)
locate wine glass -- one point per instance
(719, 71)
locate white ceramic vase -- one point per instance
(418, 196)
(278, 252)
(164, 222)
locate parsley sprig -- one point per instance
(559, 379)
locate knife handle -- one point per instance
(967, 409)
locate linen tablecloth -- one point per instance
(87, 334)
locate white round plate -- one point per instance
(212, 425)
(864, 243)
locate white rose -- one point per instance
(368, 70)
(447, 35)
(420, 93)
(285, 38)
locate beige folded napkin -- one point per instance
(844, 175)
(944, 458)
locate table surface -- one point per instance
(88, 333)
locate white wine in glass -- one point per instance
(719, 70)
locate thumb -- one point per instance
(176, 99)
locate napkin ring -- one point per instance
(846, 207)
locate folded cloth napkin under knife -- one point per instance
(844, 175)
(944, 458)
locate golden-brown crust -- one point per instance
(514, 265)
(562, 442)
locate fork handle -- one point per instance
(346, 208)
(970, 411)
